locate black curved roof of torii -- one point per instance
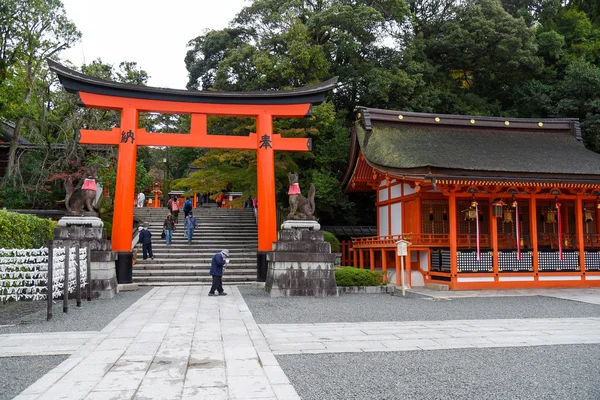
(74, 82)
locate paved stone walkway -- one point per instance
(428, 335)
(173, 343)
(178, 343)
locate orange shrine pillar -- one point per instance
(453, 226)
(265, 179)
(533, 233)
(580, 242)
(124, 191)
(494, 237)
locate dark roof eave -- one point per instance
(74, 82)
(495, 176)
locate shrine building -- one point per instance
(485, 202)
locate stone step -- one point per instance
(233, 282)
(198, 265)
(191, 272)
(175, 278)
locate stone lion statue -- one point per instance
(78, 199)
(306, 206)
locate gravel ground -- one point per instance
(543, 372)
(413, 307)
(30, 316)
(18, 373)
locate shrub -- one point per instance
(108, 227)
(22, 231)
(350, 276)
(335, 243)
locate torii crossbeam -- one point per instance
(133, 99)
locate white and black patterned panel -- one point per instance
(508, 261)
(549, 261)
(592, 260)
(467, 262)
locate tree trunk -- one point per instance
(12, 152)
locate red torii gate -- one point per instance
(133, 99)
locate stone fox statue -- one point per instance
(306, 206)
(76, 199)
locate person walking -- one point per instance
(190, 224)
(175, 209)
(187, 207)
(145, 238)
(200, 199)
(219, 200)
(141, 199)
(217, 265)
(169, 228)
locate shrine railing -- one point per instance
(506, 241)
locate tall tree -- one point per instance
(36, 30)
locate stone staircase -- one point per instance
(189, 264)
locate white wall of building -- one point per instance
(383, 229)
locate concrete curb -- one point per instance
(365, 289)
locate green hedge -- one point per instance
(350, 276)
(22, 231)
(335, 243)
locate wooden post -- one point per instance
(402, 275)
(361, 259)
(384, 264)
(397, 269)
(533, 233)
(49, 281)
(453, 236)
(579, 230)
(78, 276)
(494, 236)
(88, 260)
(371, 259)
(66, 277)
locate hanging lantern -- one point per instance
(508, 216)
(551, 216)
(587, 215)
(497, 206)
(470, 214)
(445, 215)
(480, 216)
(431, 214)
(522, 242)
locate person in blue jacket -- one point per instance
(187, 207)
(145, 238)
(217, 264)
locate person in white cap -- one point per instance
(217, 264)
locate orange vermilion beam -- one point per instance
(92, 100)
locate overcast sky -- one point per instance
(153, 33)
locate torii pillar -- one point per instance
(130, 100)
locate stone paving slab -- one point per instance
(36, 344)
(174, 343)
(587, 295)
(428, 335)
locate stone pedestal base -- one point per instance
(301, 265)
(89, 233)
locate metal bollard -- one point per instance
(66, 278)
(78, 276)
(49, 280)
(89, 273)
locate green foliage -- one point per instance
(21, 231)
(333, 241)
(350, 276)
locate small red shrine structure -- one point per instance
(130, 100)
(485, 202)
